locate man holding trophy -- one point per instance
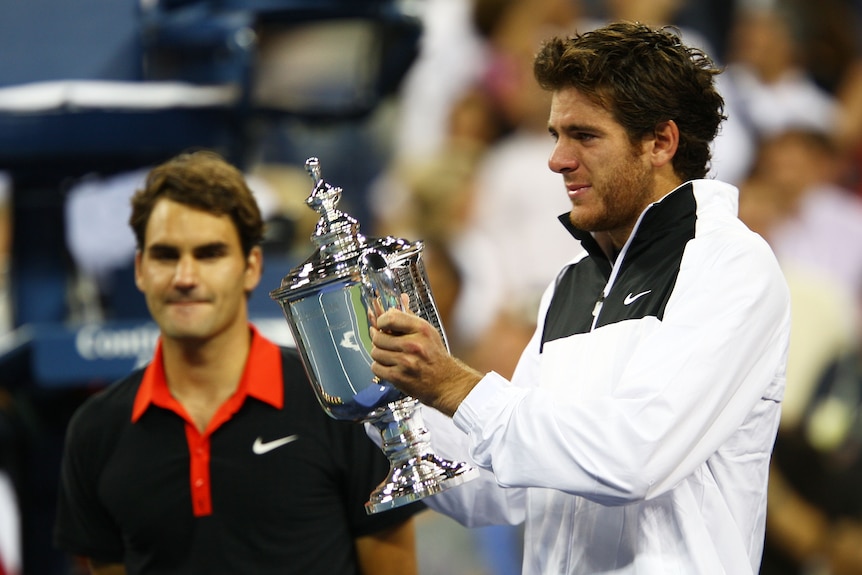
(215, 457)
(636, 433)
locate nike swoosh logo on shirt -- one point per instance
(260, 447)
(631, 298)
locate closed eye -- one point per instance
(163, 253)
(582, 136)
(576, 134)
(211, 251)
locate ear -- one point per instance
(664, 143)
(253, 268)
(138, 278)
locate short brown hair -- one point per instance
(643, 76)
(203, 180)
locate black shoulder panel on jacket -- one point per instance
(645, 280)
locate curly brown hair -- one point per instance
(643, 76)
(203, 180)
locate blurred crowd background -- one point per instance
(426, 114)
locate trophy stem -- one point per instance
(415, 471)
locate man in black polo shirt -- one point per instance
(216, 457)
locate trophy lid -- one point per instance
(338, 242)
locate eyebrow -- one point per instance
(576, 128)
(203, 248)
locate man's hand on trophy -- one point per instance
(410, 353)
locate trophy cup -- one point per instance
(329, 302)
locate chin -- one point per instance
(184, 333)
(580, 220)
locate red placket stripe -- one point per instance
(199, 471)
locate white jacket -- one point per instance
(637, 441)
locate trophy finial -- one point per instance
(323, 199)
(312, 166)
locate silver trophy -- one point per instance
(330, 302)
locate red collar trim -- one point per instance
(261, 379)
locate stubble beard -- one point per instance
(622, 198)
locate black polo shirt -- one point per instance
(273, 485)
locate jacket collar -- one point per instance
(665, 213)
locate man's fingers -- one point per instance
(395, 321)
(388, 338)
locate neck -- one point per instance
(208, 371)
(608, 244)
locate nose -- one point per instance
(562, 160)
(186, 272)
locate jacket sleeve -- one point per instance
(483, 501)
(674, 390)
(478, 502)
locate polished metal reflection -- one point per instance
(330, 302)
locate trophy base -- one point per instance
(416, 471)
(427, 475)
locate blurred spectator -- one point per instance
(821, 223)
(464, 60)
(814, 522)
(814, 226)
(436, 199)
(822, 328)
(773, 85)
(793, 199)
(849, 92)
(832, 43)
(97, 209)
(849, 133)
(450, 59)
(767, 85)
(819, 43)
(514, 193)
